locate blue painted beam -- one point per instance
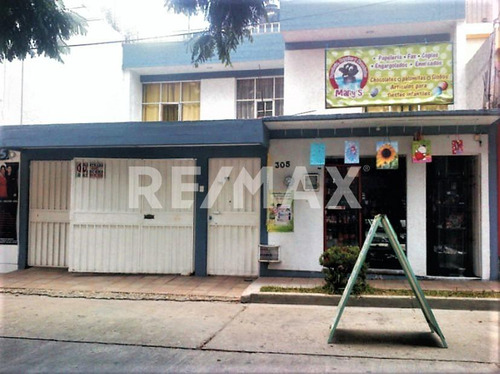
(317, 14)
(348, 43)
(134, 134)
(212, 75)
(264, 47)
(356, 132)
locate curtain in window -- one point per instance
(278, 89)
(278, 107)
(171, 92)
(245, 110)
(190, 91)
(264, 88)
(245, 89)
(150, 112)
(151, 93)
(190, 112)
(170, 112)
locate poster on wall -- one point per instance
(8, 202)
(386, 75)
(457, 146)
(387, 155)
(421, 151)
(280, 212)
(351, 152)
(318, 154)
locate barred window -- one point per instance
(259, 97)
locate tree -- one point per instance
(35, 28)
(229, 23)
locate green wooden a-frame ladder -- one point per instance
(379, 220)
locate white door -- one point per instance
(167, 236)
(233, 231)
(111, 232)
(49, 213)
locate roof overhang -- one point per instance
(385, 119)
(135, 134)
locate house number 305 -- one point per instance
(282, 164)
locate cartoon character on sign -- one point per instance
(348, 75)
(421, 150)
(349, 72)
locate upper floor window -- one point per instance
(259, 97)
(178, 101)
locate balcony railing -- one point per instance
(265, 28)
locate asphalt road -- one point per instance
(43, 334)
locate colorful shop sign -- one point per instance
(385, 75)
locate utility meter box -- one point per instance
(269, 253)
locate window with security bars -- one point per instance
(259, 97)
(173, 101)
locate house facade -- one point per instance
(132, 160)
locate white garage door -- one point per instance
(50, 183)
(233, 231)
(110, 233)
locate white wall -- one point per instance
(477, 70)
(90, 86)
(301, 249)
(305, 83)
(459, 40)
(218, 99)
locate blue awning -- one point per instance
(135, 134)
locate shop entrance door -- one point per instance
(116, 229)
(450, 216)
(233, 231)
(378, 192)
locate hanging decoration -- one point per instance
(351, 152)
(457, 146)
(318, 153)
(387, 155)
(421, 151)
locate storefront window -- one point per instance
(178, 101)
(378, 192)
(259, 97)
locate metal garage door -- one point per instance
(49, 213)
(110, 234)
(233, 232)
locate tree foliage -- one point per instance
(36, 27)
(229, 23)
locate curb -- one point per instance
(451, 303)
(115, 295)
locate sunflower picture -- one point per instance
(387, 155)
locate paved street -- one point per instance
(46, 334)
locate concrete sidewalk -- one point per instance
(61, 283)
(216, 334)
